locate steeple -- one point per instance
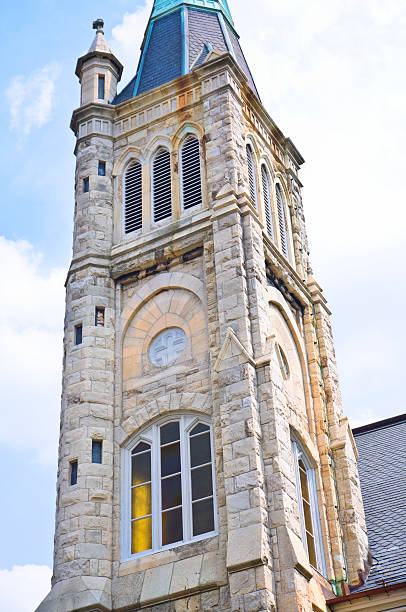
(180, 36)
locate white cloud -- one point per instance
(31, 328)
(24, 587)
(31, 98)
(127, 39)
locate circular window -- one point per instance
(166, 347)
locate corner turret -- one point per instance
(99, 70)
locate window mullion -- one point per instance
(156, 488)
(300, 496)
(186, 486)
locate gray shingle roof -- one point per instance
(183, 33)
(382, 469)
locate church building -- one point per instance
(205, 462)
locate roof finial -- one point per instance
(98, 25)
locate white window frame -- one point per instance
(299, 453)
(151, 436)
(185, 139)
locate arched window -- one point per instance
(191, 176)
(162, 185)
(170, 496)
(308, 507)
(133, 198)
(283, 229)
(266, 188)
(251, 175)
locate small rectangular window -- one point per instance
(101, 87)
(102, 168)
(99, 316)
(86, 185)
(97, 451)
(73, 473)
(78, 334)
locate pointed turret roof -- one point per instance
(99, 48)
(99, 43)
(180, 36)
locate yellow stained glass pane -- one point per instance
(141, 535)
(312, 550)
(308, 517)
(305, 485)
(141, 501)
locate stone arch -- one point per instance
(159, 141)
(277, 300)
(165, 280)
(185, 129)
(130, 153)
(172, 403)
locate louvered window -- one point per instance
(251, 175)
(191, 177)
(133, 198)
(282, 222)
(266, 188)
(162, 185)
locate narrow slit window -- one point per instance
(97, 451)
(102, 168)
(266, 188)
(162, 185)
(251, 175)
(172, 499)
(73, 472)
(101, 87)
(86, 185)
(191, 175)
(133, 198)
(78, 334)
(99, 316)
(283, 230)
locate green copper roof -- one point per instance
(163, 6)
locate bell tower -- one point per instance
(205, 462)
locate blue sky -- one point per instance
(332, 76)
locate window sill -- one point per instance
(183, 550)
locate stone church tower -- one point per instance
(205, 462)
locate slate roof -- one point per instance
(382, 469)
(180, 39)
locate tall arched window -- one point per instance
(266, 188)
(133, 198)
(283, 228)
(251, 174)
(169, 496)
(162, 185)
(308, 507)
(190, 173)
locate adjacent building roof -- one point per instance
(382, 469)
(180, 35)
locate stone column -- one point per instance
(83, 538)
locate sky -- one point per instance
(331, 74)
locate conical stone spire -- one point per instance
(99, 43)
(180, 36)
